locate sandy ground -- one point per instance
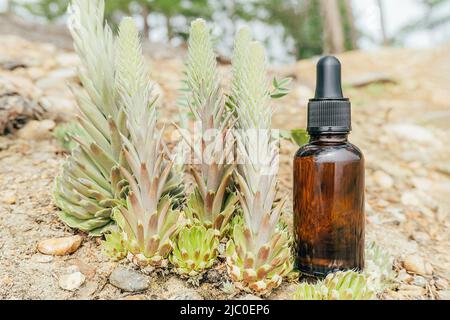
(401, 122)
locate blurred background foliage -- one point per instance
(298, 28)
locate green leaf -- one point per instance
(278, 95)
(297, 136)
(280, 89)
(300, 136)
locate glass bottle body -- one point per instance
(329, 205)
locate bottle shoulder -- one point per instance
(324, 152)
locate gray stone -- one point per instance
(128, 280)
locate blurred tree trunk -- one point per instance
(351, 22)
(146, 29)
(383, 23)
(169, 28)
(334, 41)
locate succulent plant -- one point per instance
(195, 250)
(258, 254)
(149, 218)
(114, 246)
(378, 268)
(65, 132)
(348, 285)
(90, 184)
(307, 291)
(212, 203)
(261, 269)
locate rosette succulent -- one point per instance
(150, 220)
(212, 203)
(347, 285)
(258, 254)
(90, 184)
(195, 250)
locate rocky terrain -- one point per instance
(401, 119)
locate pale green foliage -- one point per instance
(149, 218)
(132, 72)
(307, 291)
(201, 66)
(137, 99)
(249, 86)
(378, 268)
(260, 264)
(201, 71)
(114, 245)
(211, 204)
(378, 275)
(90, 184)
(94, 44)
(347, 285)
(195, 250)
(258, 255)
(65, 132)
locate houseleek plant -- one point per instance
(147, 218)
(90, 184)
(195, 250)
(212, 203)
(258, 253)
(348, 285)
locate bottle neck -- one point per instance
(329, 138)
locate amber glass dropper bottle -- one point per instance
(329, 183)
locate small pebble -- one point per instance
(37, 130)
(128, 280)
(71, 282)
(410, 199)
(40, 258)
(420, 281)
(383, 180)
(9, 199)
(411, 290)
(441, 284)
(60, 246)
(417, 265)
(444, 295)
(404, 277)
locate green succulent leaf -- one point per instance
(195, 250)
(114, 245)
(65, 132)
(349, 285)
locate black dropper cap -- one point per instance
(329, 111)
